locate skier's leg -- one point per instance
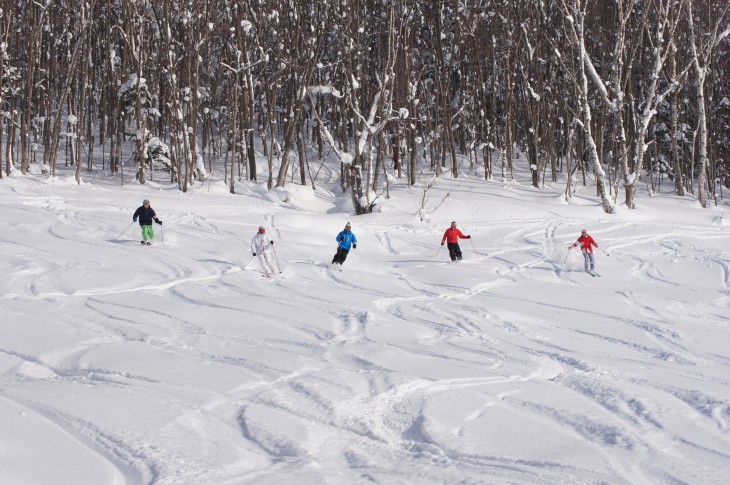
(593, 261)
(336, 258)
(269, 263)
(587, 262)
(452, 251)
(458, 251)
(262, 263)
(343, 254)
(148, 233)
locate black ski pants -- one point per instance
(341, 256)
(454, 251)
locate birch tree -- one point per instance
(702, 50)
(575, 14)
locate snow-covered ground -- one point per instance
(177, 364)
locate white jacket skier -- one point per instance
(261, 247)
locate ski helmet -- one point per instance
(145, 202)
(262, 229)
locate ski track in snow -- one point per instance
(398, 369)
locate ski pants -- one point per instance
(147, 232)
(590, 262)
(454, 251)
(340, 256)
(267, 265)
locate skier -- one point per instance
(451, 237)
(586, 243)
(146, 214)
(261, 247)
(346, 239)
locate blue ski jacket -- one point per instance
(346, 239)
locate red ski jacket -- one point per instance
(452, 235)
(585, 243)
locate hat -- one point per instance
(262, 229)
(453, 223)
(145, 201)
(583, 231)
(347, 226)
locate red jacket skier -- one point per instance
(586, 243)
(452, 236)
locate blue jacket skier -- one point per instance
(346, 240)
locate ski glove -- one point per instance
(134, 219)
(254, 254)
(442, 243)
(159, 222)
(272, 242)
(468, 237)
(354, 246)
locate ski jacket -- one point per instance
(585, 242)
(145, 215)
(346, 239)
(260, 243)
(452, 235)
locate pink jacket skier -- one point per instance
(586, 243)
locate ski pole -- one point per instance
(162, 235)
(566, 256)
(437, 252)
(472, 245)
(249, 261)
(125, 229)
(276, 258)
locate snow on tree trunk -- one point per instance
(701, 55)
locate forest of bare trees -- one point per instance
(622, 95)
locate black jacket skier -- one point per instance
(146, 214)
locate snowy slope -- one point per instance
(175, 364)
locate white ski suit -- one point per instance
(261, 247)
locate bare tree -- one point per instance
(702, 51)
(575, 14)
